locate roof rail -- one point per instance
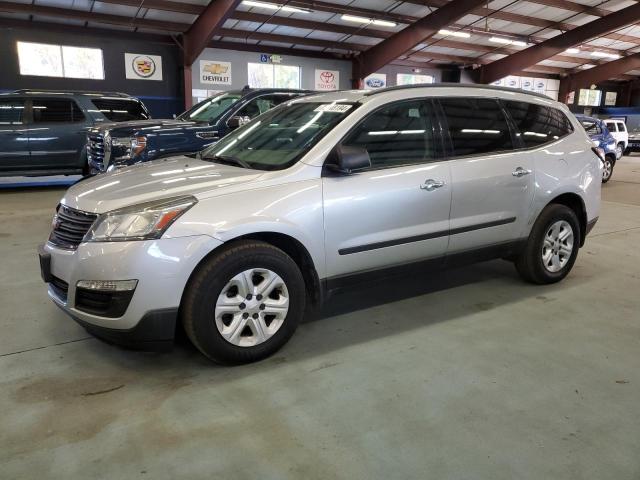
(71, 92)
(458, 85)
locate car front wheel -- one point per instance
(552, 246)
(244, 303)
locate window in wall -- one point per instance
(265, 75)
(538, 124)
(45, 60)
(398, 134)
(413, 79)
(11, 112)
(53, 110)
(476, 126)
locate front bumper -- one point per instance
(162, 268)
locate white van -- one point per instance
(619, 131)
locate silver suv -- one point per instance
(320, 193)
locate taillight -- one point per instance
(599, 152)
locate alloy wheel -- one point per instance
(252, 307)
(557, 246)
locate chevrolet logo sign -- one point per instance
(215, 68)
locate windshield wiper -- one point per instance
(227, 160)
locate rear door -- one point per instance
(14, 144)
(57, 135)
(492, 181)
(396, 211)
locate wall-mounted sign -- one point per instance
(610, 99)
(143, 67)
(512, 81)
(376, 80)
(571, 98)
(327, 80)
(412, 79)
(215, 72)
(266, 58)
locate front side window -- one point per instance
(54, 110)
(611, 126)
(397, 134)
(211, 109)
(280, 137)
(476, 126)
(11, 111)
(538, 124)
(120, 110)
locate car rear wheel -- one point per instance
(619, 150)
(244, 303)
(607, 169)
(552, 246)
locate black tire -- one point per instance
(609, 164)
(206, 284)
(529, 263)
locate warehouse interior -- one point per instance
(467, 372)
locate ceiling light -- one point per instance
(456, 33)
(507, 41)
(273, 6)
(353, 18)
(587, 66)
(572, 50)
(604, 55)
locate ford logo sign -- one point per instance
(375, 82)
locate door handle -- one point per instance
(520, 172)
(430, 185)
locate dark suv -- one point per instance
(44, 132)
(113, 146)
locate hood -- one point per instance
(145, 182)
(128, 128)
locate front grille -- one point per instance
(96, 153)
(60, 288)
(70, 226)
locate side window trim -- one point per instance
(428, 104)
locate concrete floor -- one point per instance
(469, 375)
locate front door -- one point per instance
(396, 211)
(14, 144)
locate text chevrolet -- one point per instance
(317, 194)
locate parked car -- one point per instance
(602, 138)
(115, 146)
(319, 194)
(634, 141)
(43, 132)
(618, 130)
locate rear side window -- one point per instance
(11, 111)
(622, 127)
(592, 128)
(118, 110)
(56, 110)
(538, 124)
(476, 126)
(396, 134)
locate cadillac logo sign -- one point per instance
(144, 66)
(139, 66)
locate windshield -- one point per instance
(211, 109)
(278, 139)
(121, 110)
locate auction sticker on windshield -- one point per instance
(333, 107)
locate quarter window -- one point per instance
(537, 124)
(11, 112)
(46, 110)
(396, 135)
(476, 126)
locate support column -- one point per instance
(188, 87)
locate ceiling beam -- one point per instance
(165, 5)
(403, 41)
(595, 75)
(202, 30)
(272, 37)
(250, 47)
(558, 44)
(12, 7)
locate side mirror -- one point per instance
(175, 116)
(237, 121)
(345, 159)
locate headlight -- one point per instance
(120, 148)
(146, 221)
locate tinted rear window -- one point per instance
(538, 124)
(476, 126)
(56, 110)
(11, 111)
(120, 110)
